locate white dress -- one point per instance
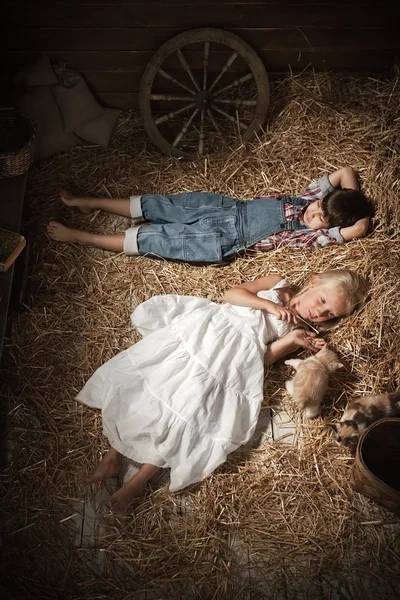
(189, 392)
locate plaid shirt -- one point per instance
(303, 238)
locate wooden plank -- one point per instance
(157, 3)
(51, 39)
(11, 246)
(123, 100)
(274, 60)
(93, 529)
(216, 15)
(263, 432)
(283, 429)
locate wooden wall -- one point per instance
(110, 42)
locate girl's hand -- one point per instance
(282, 313)
(307, 339)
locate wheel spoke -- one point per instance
(185, 128)
(171, 115)
(192, 101)
(201, 135)
(236, 102)
(170, 97)
(205, 63)
(214, 122)
(236, 121)
(236, 83)
(187, 69)
(174, 80)
(228, 63)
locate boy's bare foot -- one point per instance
(109, 466)
(61, 233)
(120, 500)
(84, 203)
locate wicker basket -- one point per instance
(17, 142)
(376, 472)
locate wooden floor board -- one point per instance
(283, 428)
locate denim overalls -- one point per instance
(205, 227)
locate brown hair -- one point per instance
(343, 207)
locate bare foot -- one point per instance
(120, 500)
(83, 203)
(61, 233)
(108, 467)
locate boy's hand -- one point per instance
(307, 339)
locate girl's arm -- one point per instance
(345, 177)
(291, 342)
(245, 294)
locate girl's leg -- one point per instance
(109, 466)
(116, 206)
(61, 233)
(120, 500)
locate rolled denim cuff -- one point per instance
(135, 207)
(130, 241)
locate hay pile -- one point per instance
(273, 522)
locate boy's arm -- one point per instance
(315, 238)
(358, 230)
(301, 238)
(345, 177)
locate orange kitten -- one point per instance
(361, 413)
(310, 382)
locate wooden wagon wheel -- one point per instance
(203, 89)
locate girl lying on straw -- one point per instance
(190, 391)
(210, 228)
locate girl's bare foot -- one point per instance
(61, 233)
(85, 204)
(108, 467)
(120, 500)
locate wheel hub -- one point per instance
(203, 99)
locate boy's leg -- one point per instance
(185, 208)
(120, 500)
(125, 207)
(208, 239)
(61, 233)
(174, 241)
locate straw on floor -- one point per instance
(275, 521)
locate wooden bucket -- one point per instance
(376, 470)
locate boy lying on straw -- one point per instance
(203, 227)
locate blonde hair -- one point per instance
(347, 284)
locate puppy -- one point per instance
(310, 382)
(361, 413)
